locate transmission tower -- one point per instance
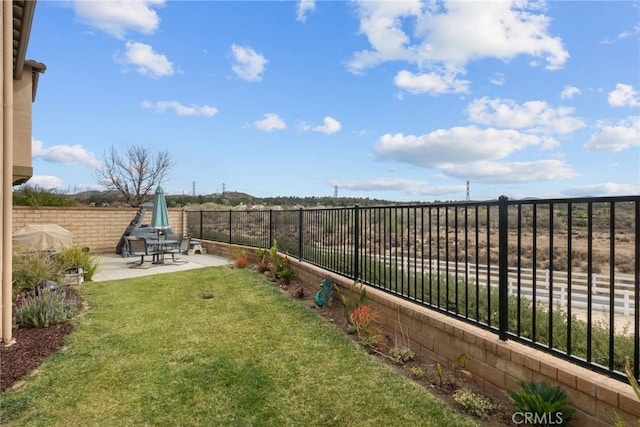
(223, 187)
(468, 196)
(194, 188)
(335, 192)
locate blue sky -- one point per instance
(402, 101)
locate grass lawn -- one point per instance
(150, 351)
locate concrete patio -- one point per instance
(115, 267)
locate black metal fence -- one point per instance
(561, 275)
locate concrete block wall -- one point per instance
(494, 364)
(98, 229)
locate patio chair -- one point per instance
(138, 247)
(182, 245)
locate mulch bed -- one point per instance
(32, 346)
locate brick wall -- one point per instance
(99, 229)
(492, 363)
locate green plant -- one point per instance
(632, 379)
(636, 388)
(36, 196)
(417, 372)
(456, 363)
(260, 254)
(262, 266)
(344, 300)
(401, 354)
(31, 268)
(46, 309)
(78, 257)
(440, 373)
(474, 404)
(547, 404)
(285, 275)
(273, 251)
(401, 351)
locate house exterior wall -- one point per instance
(98, 229)
(22, 107)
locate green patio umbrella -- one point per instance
(160, 214)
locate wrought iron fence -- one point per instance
(561, 275)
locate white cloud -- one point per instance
(181, 110)
(616, 137)
(329, 127)
(623, 96)
(603, 190)
(533, 116)
(304, 6)
(249, 65)
(472, 153)
(148, 62)
(116, 17)
(500, 172)
(568, 92)
(433, 83)
(497, 79)
(407, 186)
(443, 37)
(623, 35)
(455, 145)
(271, 122)
(64, 154)
(46, 182)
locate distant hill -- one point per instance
(229, 199)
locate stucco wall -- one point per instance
(99, 229)
(493, 363)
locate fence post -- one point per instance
(230, 226)
(503, 267)
(201, 226)
(270, 228)
(356, 242)
(300, 235)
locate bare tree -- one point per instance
(135, 175)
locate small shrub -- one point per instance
(260, 254)
(273, 257)
(474, 404)
(417, 372)
(46, 309)
(241, 262)
(401, 351)
(344, 300)
(78, 257)
(401, 354)
(31, 268)
(282, 271)
(299, 292)
(366, 322)
(456, 363)
(543, 400)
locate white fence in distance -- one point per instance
(543, 281)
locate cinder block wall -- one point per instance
(99, 229)
(494, 364)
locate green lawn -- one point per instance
(150, 351)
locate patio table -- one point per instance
(160, 246)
